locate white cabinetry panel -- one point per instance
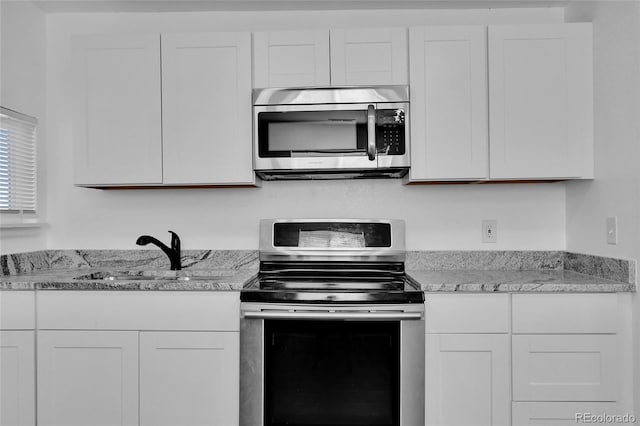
(291, 58)
(449, 106)
(565, 368)
(206, 106)
(467, 313)
(467, 379)
(374, 56)
(189, 378)
(87, 378)
(559, 413)
(117, 133)
(541, 101)
(17, 378)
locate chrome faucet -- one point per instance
(172, 253)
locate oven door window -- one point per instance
(332, 373)
(307, 133)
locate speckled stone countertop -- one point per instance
(230, 270)
(554, 281)
(123, 279)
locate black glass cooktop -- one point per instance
(332, 283)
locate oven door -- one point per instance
(331, 365)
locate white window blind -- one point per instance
(17, 162)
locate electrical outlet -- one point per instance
(612, 230)
(489, 231)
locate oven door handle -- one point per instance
(366, 316)
(371, 132)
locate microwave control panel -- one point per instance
(390, 131)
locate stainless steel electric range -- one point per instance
(332, 329)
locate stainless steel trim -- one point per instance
(395, 253)
(330, 95)
(371, 132)
(368, 316)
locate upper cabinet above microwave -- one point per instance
(337, 57)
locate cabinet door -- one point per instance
(369, 56)
(541, 101)
(189, 378)
(467, 379)
(565, 368)
(206, 105)
(563, 413)
(116, 127)
(449, 106)
(87, 378)
(17, 378)
(291, 58)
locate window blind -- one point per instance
(17, 162)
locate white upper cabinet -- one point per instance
(337, 57)
(117, 133)
(533, 121)
(291, 58)
(206, 107)
(375, 56)
(541, 101)
(449, 105)
(192, 126)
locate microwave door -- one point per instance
(314, 137)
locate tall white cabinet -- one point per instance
(206, 108)
(541, 101)
(449, 103)
(172, 110)
(336, 57)
(116, 110)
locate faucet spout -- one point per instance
(172, 253)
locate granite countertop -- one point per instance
(125, 279)
(515, 281)
(231, 270)
(234, 280)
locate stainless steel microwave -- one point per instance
(331, 132)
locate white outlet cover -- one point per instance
(489, 231)
(612, 230)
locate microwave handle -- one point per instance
(371, 132)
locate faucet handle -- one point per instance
(175, 241)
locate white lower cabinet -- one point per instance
(116, 358)
(17, 358)
(467, 361)
(565, 368)
(189, 378)
(87, 378)
(17, 378)
(563, 413)
(467, 379)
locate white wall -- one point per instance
(22, 88)
(529, 217)
(616, 188)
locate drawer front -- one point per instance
(564, 313)
(17, 310)
(467, 313)
(565, 368)
(149, 310)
